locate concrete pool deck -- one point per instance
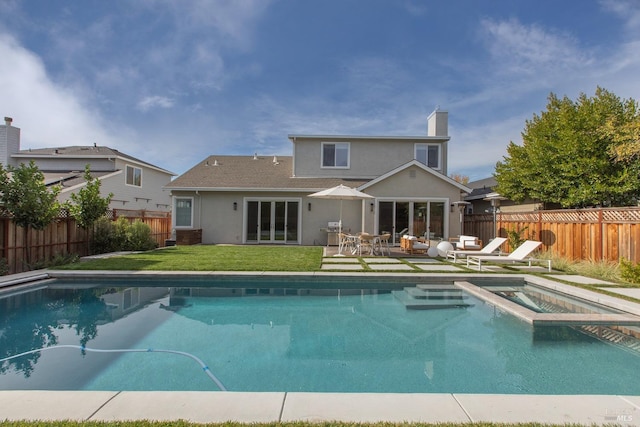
(216, 406)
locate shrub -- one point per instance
(139, 237)
(60, 259)
(102, 236)
(629, 272)
(4, 267)
(121, 235)
(514, 237)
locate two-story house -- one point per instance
(265, 199)
(135, 184)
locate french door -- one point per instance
(272, 221)
(418, 218)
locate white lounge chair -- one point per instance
(520, 254)
(490, 248)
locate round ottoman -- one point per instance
(443, 247)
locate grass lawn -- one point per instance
(212, 258)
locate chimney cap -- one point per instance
(8, 120)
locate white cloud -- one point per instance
(149, 102)
(529, 50)
(49, 115)
(627, 10)
(415, 8)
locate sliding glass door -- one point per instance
(418, 218)
(272, 221)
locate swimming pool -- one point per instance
(301, 334)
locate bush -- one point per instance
(139, 237)
(515, 238)
(629, 272)
(4, 267)
(102, 236)
(121, 235)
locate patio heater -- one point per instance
(494, 198)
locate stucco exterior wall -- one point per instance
(414, 184)
(214, 213)
(70, 164)
(369, 158)
(150, 196)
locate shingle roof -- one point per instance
(481, 188)
(252, 172)
(83, 151)
(69, 179)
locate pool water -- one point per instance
(285, 339)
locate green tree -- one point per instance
(568, 154)
(87, 205)
(26, 197)
(626, 135)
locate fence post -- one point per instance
(600, 249)
(539, 227)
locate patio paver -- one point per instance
(345, 267)
(390, 267)
(438, 267)
(628, 292)
(382, 260)
(340, 260)
(575, 278)
(422, 260)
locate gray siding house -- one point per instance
(265, 199)
(135, 184)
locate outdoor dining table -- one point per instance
(354, 243)
(370, 242)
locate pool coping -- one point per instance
(249, 407)
(270, 407)
(630, 317)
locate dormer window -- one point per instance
(428, 154)
(335, 154)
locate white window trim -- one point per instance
(427, 145)
(126, 176)
(348, 144)
(175, 209)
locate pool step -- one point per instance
(615, 337)
(425, 297)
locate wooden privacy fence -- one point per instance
(582, 234)
(160, 222)
(63, 237)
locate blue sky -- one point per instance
(173, 81)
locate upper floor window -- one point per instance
(134, 176)
(184, 211)
(335, 154)
(428, 154)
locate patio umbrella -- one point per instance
(341, 192)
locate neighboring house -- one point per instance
(483, 199)
(265, 199)
(135, 184)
